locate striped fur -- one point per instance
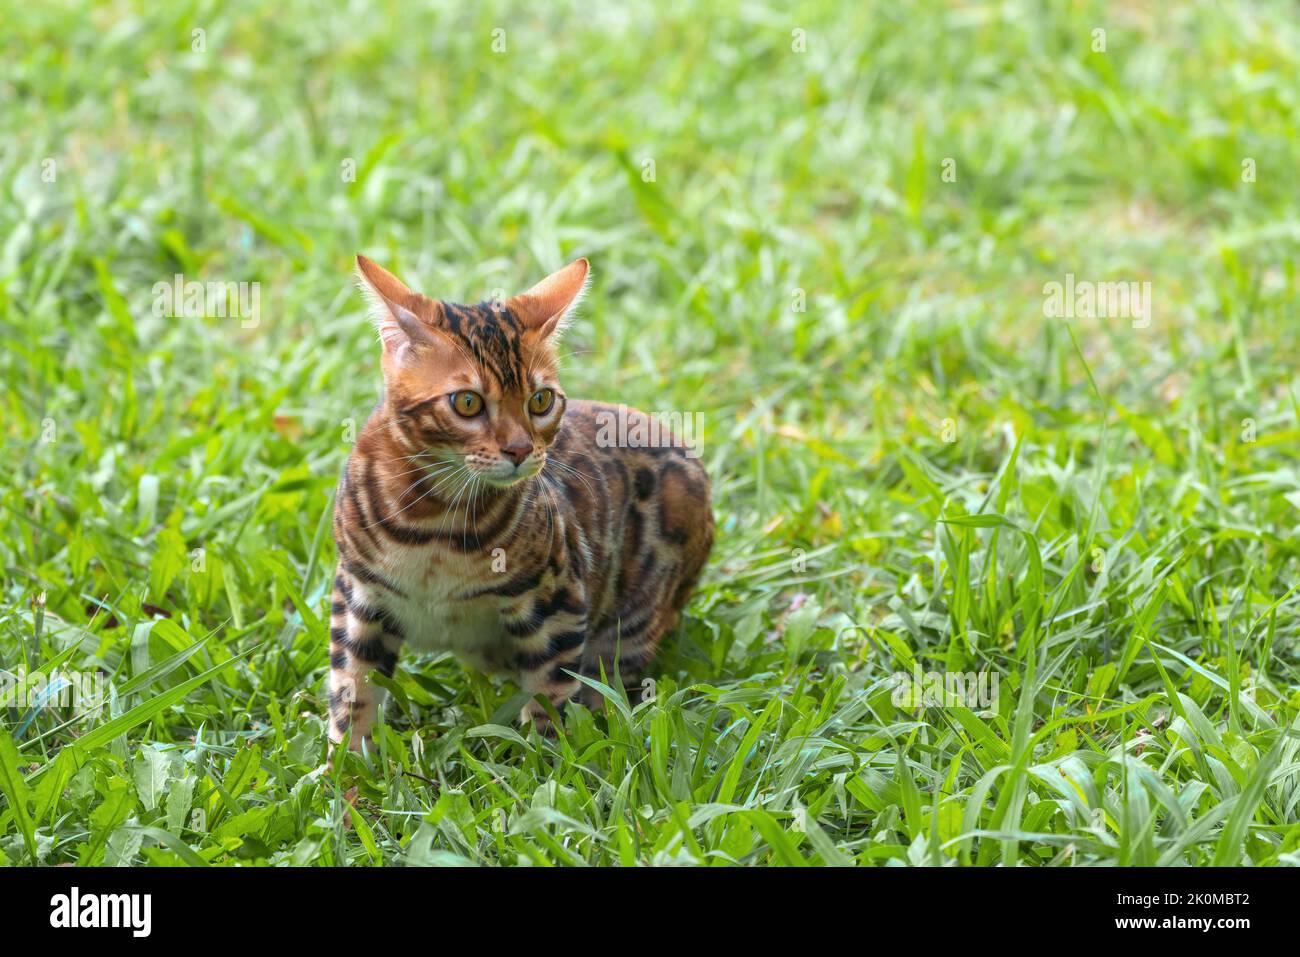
(512, 538)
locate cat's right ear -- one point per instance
(394, 309)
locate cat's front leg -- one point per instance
(362, 639)
(550, 633)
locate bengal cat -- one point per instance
(483, 512)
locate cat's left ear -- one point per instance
(546, 307)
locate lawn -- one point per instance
(829, 235)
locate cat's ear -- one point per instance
(546, 307)
(394, 309)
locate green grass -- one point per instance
(912, 465)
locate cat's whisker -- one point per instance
(424, 473)
(421, 498)
(471, 510)
(424, 468)
(446, 481)
(551, 508)
(581, 476)
(470, 491)
(422, 478)
(466, 490)
(393, 515)
(551, 517)
(460, 490)
(435, 456)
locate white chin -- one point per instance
(508, 479)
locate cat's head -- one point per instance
(473, 385)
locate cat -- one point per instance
(484, 512)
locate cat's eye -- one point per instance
(467, 404)
(541, 401)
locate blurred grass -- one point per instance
(865, 339)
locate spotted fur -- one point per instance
(526, 543)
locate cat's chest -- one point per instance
(434, 618)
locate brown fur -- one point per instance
(525, 542)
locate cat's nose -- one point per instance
(517, 452)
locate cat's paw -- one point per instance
(359, 744)
(534, 713)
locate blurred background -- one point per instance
(825, 228)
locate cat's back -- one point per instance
(642, 497)
(643, 450)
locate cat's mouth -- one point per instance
(504, 475)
